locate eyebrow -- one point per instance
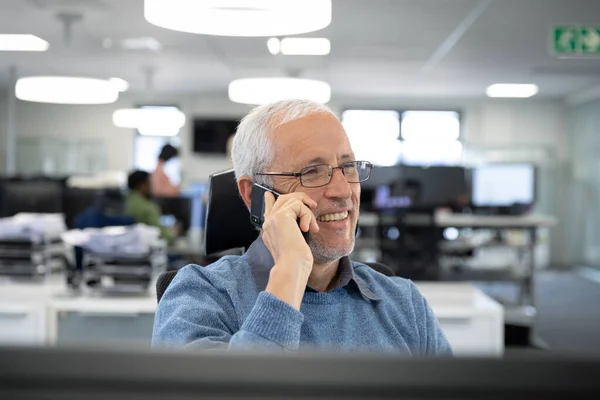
(321, 160)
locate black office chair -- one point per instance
(228, 225)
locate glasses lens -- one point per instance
(357, 171)
(315, 175)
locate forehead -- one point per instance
(313, 139)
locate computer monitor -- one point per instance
(66, 373)
(370, 193)
(440, 186)
(503, 185)
(416, 187)
(32, 196)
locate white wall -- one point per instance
(63, 121)
(487, 122)
(490, 122)
(582, 217)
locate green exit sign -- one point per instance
(576, 40)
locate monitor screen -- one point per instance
(32, 196)
(211, 135)
(409, 187)
(499, 185)
(438, 186)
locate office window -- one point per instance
(374, 135)
(430, 138)
(413, 137)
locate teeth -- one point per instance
(333, 217)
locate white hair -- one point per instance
(252, 150)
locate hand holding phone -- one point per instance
(285, 221)
(257, 207)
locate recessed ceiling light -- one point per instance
(121, 84)
(151, 121)
(257, 91)
(239, 17)
(512, 90)
(9, 42)
(305, 46)
(66, 90)
(141, 43)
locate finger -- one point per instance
(314, 225)
(308, 201)
(304, 215)
(285, 199)
(269, 202)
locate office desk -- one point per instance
(472, 321)
(48, 314)
(494, 221)
(466, 220)
(523, 313)
(120, 321)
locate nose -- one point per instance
(338, 187)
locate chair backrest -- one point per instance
(227, 218)
(162, 283)
(164, 279)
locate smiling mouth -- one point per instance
(333, 217)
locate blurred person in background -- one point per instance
(161, 184)
(138, 204)
(286, 293)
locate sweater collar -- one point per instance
(261, 261)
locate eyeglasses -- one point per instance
(319, 175)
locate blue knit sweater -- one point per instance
(224, 305)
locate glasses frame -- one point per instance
(298, 175)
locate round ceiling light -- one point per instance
(66, 90)
(151, 121)
(240, 17)
(258, 91)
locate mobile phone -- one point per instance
(257, 206)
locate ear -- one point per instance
(245, 188)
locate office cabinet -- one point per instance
(104, 328)
(22, 323)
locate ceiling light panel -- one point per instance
(66, 90)
(305, 46)
(512, 90)
(240, 17)
(18, 42)
(267, 90)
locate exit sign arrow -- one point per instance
(576, 40)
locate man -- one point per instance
(139, 206)
(161, 184)
(284, 293)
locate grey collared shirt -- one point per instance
(261, 261)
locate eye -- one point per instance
(310, 171)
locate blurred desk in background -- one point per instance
(455, 256)
(48, 314)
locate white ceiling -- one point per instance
(379, 48)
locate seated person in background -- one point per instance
(285, 293)
(139, 206)
(161, 184)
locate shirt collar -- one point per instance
(261, 261)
